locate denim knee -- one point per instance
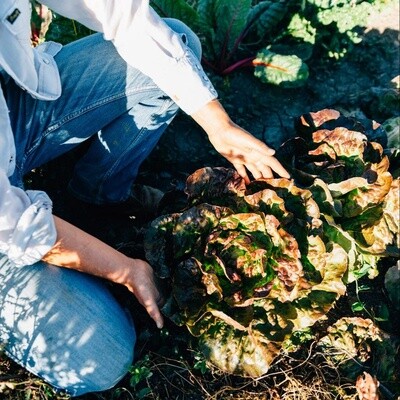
(65, 327)
(104, 378)
(188, 36)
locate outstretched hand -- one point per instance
(243, 150)
(247, 153)
(141, 283)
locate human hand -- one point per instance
(140, 281)
(246, 152)
(238, 146)
(83, 252)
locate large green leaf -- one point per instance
(178, 9)
(360, 260)
(280, 70)
(227, 19)
(301, 28)
(265, 15)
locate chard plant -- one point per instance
(249, 269)
(275, 38)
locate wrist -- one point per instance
(213, 118)
(121, 270)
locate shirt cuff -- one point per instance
(192, 89)
(35, 233)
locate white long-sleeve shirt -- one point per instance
(144, 41)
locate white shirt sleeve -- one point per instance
(27, 230)
(145, 42)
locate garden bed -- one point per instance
(168, 364)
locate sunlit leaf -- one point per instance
(280, 70)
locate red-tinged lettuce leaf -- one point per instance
(241, 255)
(343, 142)
(245, 222)
(158, 244)
(316, 257)
(268, 202)
(377, 239)
(330, 119)
(296, 200)
(325, 151)
(364, 197)
(339, 189)
(331, 147)
(212, 185)
(349, 342)
(333, 269)
(192, 224)
(245, 353)
(360, 261)
(391, 210)
(312, 121)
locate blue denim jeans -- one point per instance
(60, 324)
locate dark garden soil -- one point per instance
(354, 85)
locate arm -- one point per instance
(237, 145)
(29, 232)
(145, 42)
(78, 250)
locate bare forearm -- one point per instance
(78, 250)
(213, 118)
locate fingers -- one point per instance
(242, 172)
(154, 312)
(260, 162)
(261, 169)
(276, 166)
(142, 284)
